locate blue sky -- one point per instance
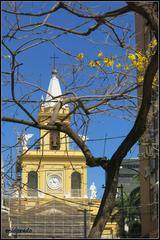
(37, 66)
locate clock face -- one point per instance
(54, 181)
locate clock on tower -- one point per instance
(54, 182)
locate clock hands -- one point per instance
(55, 180)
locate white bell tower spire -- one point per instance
(54, 90)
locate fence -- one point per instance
(33, 218)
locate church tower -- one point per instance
(54, 139)
(53, 168)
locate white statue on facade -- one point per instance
(93, 190)
(25, 140)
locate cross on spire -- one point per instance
(54, 61)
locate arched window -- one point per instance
(32, 183)
(76, 184)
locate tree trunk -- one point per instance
(107, 205)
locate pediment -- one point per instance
(49, 212)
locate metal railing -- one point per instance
(76, 193)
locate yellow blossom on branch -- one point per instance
(141, 57)
(80, 56)
(126, 67)
(139, 60)
(153, 43)
(140, 66)
(108, 62)
(98, 63)
(118, 65)
(92, 63)
(131, 57)
(100, 54)
(138, 54)
(134, 63)
(140, 79)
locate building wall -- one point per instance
(54, 163)
(148, 148)
(128, 175)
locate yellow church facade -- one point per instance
(53, 169)
(54, 166)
